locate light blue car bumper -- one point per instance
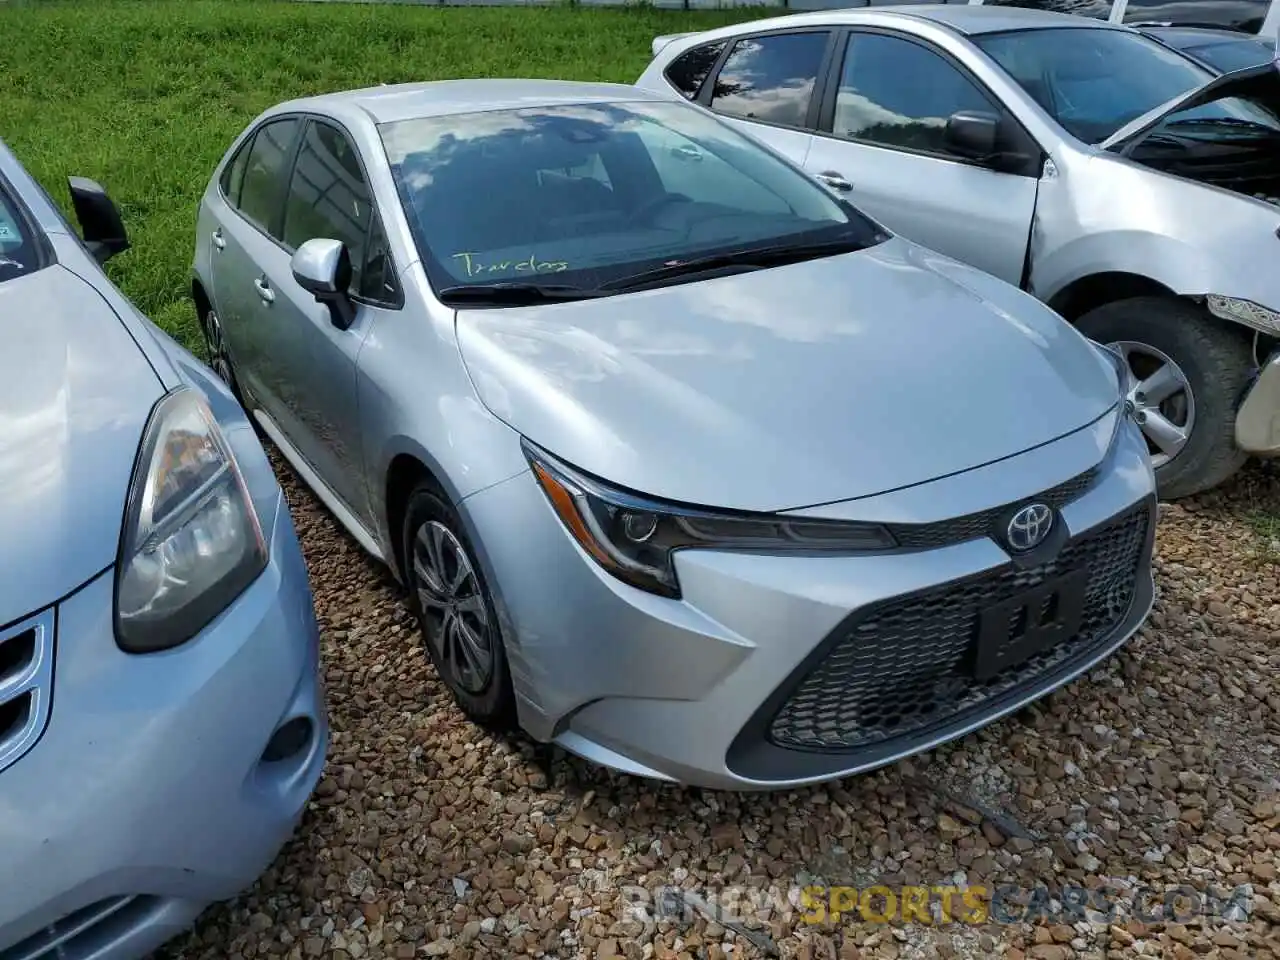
(148, 796)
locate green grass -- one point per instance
(145, 95)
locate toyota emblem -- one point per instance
(1029, 527)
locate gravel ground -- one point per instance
(1161, 769)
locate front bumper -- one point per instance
(148, 796)
(1258, 419)
(693, 690)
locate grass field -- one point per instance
(145, 95)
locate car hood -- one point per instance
(75, 393)
(1255, 83)
(800, 385)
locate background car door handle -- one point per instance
(834, 180)
(218, 241)
(264, 291)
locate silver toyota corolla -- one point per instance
(689, 466)
(162, 720)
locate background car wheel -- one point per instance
(459, 625)
(1187, 373)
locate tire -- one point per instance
(432, 537)
(219, 360)
(1215, 361)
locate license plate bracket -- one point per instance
(1011, 632)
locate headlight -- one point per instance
(1251, 314)
(191, 541)
(634, 538)
(1118, 363)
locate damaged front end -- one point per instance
(1225, 133)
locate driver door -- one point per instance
(880, 144)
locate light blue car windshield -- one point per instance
(1095, 81)
(590, 192)
(18, 252)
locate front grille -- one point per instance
(908, 665)
(87, 932)
(26, 680)
(930, 536)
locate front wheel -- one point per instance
(459, 624)
(1186, 374)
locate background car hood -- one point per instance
(75, 393)
(804, 384)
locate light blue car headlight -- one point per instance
(192, 541)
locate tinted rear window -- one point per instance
(688, 71)
(19, 253)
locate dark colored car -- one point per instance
(1221, 51)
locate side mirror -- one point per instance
(100, 222)
(973, 134)
(322, 267)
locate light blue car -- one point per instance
(162, 723)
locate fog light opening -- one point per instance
(290, 739)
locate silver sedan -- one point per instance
(688, 465)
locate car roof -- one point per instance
(389, 103)
(973, 20)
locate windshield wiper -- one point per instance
(513, 293)
(1224, 122)
(751, 258)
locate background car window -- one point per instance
(18, 252)
(1232, 55)
(899, 94)
(770, 78)
(1098, 9)
(328, 196)
(233, 173)
(260, 193)
(1246, 15)
(689, 170)
(1093, 82)
(687, 71)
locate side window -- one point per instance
(688, 71)
(896, 93)
(1244, 15)
(233, 173)
(770, 78)
(267, 156)
(328, 196)
(378, 278)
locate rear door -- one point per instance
(245, 235)
(881, 145)
(768, 85)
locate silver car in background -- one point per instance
(162, 722)
(688, 466)
(1130, 188)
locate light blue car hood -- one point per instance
(75, 394)
(805, 384)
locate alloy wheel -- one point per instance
(216, 345)
(1159, 397)
(455, 615)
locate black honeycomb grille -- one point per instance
(908, 665)
(928, 536)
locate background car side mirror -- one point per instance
(100, 222)
(322, 267)
(973, 134)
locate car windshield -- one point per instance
(1229, 55)
(1094, 81)
(18, 252)
(582, 195)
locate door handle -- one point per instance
(688, 153)
(218, 241)
(264, 290)
(835, 181)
